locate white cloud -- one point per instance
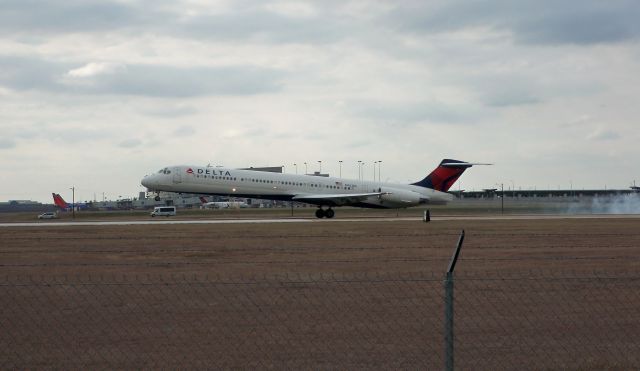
(94, 68)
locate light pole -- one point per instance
(73, 202)
(379, 169)
(340, 162)
(296, 165)
(320, 164)
(502, 198)
(305, 169)
(359, 163)
(571, 187)
(374, 170)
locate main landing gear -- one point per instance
(157, 198)
(328, 213)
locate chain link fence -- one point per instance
(370, 321)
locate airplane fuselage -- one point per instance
(317, 190)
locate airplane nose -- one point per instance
(146, 181)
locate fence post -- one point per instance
(448, 322)
(448, 307)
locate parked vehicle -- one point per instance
(163, 211)
(48, 215)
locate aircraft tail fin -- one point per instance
(445, 175)
(59, 201)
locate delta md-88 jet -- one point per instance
(325, 192)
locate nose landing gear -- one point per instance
(328, 213)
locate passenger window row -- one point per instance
(255, 180)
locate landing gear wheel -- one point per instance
(157, 198)
(320, 213)
(329, 213)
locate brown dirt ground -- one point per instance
(324, 247)
(257, 320)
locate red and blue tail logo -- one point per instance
(59, 201)
(445, 175)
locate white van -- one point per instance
(164, 211)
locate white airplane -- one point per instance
(316, 190)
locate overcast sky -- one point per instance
(96, 94)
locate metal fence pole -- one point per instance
(448, 307)
(448, 322)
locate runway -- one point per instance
(314, 220)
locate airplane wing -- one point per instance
(340, 199)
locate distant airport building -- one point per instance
(269, 169)
(24, 205)
(561, 193)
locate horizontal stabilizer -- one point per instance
(462, 164)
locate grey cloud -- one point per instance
(505, 90)
(581, 25)
(7, 143)
(530, 22)
(130, 143)
(184, 131)
(244, 20)
(413, 113)
(168, 81)
(73, 134)
(56, 133)
(264, 26)
(603, 135)
(170, 111)
(59, 16)
(510, 98)
(21, 73)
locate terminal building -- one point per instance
(542, 193)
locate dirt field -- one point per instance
(329, 294)
(323, 247)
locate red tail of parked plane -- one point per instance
(60, 202)
(64, 205)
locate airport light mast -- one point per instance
(502, 197)
(374, 170)
(73, 202)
